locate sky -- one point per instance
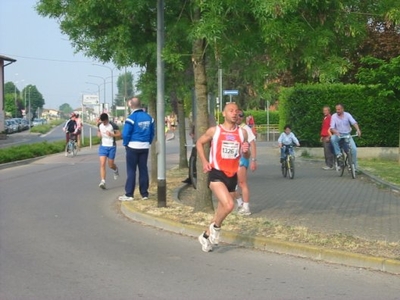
(46, 59)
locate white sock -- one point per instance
(246, 205)
(239, 201)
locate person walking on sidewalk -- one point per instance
(326, 138)
(107, 131)
(341, 123)
(228, 143)
(137, 135)
(244, 164)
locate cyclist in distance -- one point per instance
(341, 123)
(287, 138)
(70, 127)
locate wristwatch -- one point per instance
(254, 159)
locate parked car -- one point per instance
(12, 126)
(25, 124)
(19, 123)
(37, 121)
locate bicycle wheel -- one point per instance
(67, 149)
(291, 167)
(284, 168)
(342, 164)
(193, 171)
(352, 167)
(74, 149)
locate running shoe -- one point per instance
(205, 243)
(116, 174)
(145, 198)
(239, 207)
(244, 211)
(102, 185)
(125, 198)
(327, 168)
(214, 234)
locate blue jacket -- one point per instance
(138, 132)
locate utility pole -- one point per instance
(161, 166)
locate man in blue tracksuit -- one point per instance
(137, 135)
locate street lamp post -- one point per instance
(112, 81)
(30, 117)
(104, 100)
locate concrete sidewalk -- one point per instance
(321, 200)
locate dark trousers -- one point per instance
(328, 152)
(137, 158)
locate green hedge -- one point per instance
(21, 152)
(301, 106)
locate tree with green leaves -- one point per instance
(65, 109)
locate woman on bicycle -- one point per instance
(70, 127)
(287, 138)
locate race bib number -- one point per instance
(230, 150)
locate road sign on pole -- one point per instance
(90, 99)
(231, 92)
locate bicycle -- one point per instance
(345, 161)
(288, 162)
(192, 166)
(71, 147)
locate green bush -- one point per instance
(21, 152)
(301, 106)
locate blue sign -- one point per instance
(231, 92)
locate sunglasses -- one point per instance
(241, 115)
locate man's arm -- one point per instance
(151, 131)
(253, 156)
(204, 139)
(245, 146)
(117, 132)
(357, 128)
(127, 132)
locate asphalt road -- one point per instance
(61, 237)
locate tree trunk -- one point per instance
(153, 149)
(203, 193)
(183, 163)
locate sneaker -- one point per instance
(339, 156)
(205, 243)
(145, 198)
(125, 198)
(214, 234)
(102, 185)
(239, 207)
(116, 174)
(327, 168)
(244, 211)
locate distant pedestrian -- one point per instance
(244, 163)
(107, 131)
(287, 138)
(326, 138)
(137, 135)
(79, 126)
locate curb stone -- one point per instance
(269, 244)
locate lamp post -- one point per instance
(104, 100)
(30, 117)
(98, 91)
(112, 81)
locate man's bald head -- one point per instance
(230, 105)
(134, 103)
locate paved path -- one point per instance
(321, 200)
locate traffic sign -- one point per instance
(90, 99)
(231, 92)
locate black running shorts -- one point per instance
(219, 176)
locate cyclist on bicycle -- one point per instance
(341, 123)
(287, 138)
(70, 127)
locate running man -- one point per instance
(244, 164)
(107, 131)
(228, 143)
